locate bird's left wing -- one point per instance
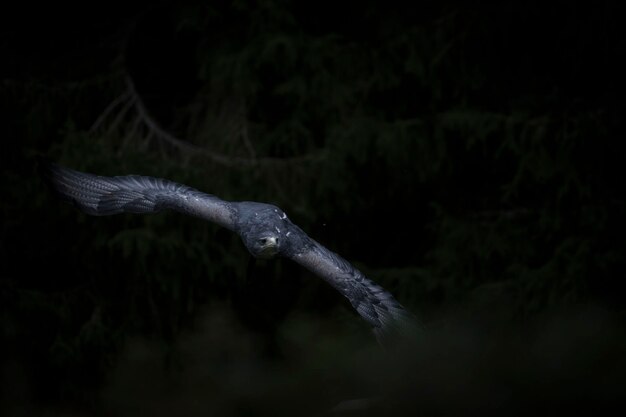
(377, 306)
(101, 196)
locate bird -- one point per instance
(265, 230)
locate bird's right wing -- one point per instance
(101, 196)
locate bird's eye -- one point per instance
(263, 240)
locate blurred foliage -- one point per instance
(464, 159)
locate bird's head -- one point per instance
(265, 246)
(264, 228)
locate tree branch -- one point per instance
(160, 134)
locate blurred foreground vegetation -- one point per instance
(466, 159)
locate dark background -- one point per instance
(466, 158)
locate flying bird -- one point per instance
(265, 230)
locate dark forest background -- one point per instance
(467, 158)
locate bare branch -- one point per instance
(120, 116)
(159, 133)
(244, 134)
(118, 100)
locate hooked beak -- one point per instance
(270, 241)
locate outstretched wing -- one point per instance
(101, 196)
(377, 306)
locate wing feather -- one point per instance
(102, 196)
(377, 306)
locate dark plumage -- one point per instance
(265, 230)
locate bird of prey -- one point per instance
(265, 230)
